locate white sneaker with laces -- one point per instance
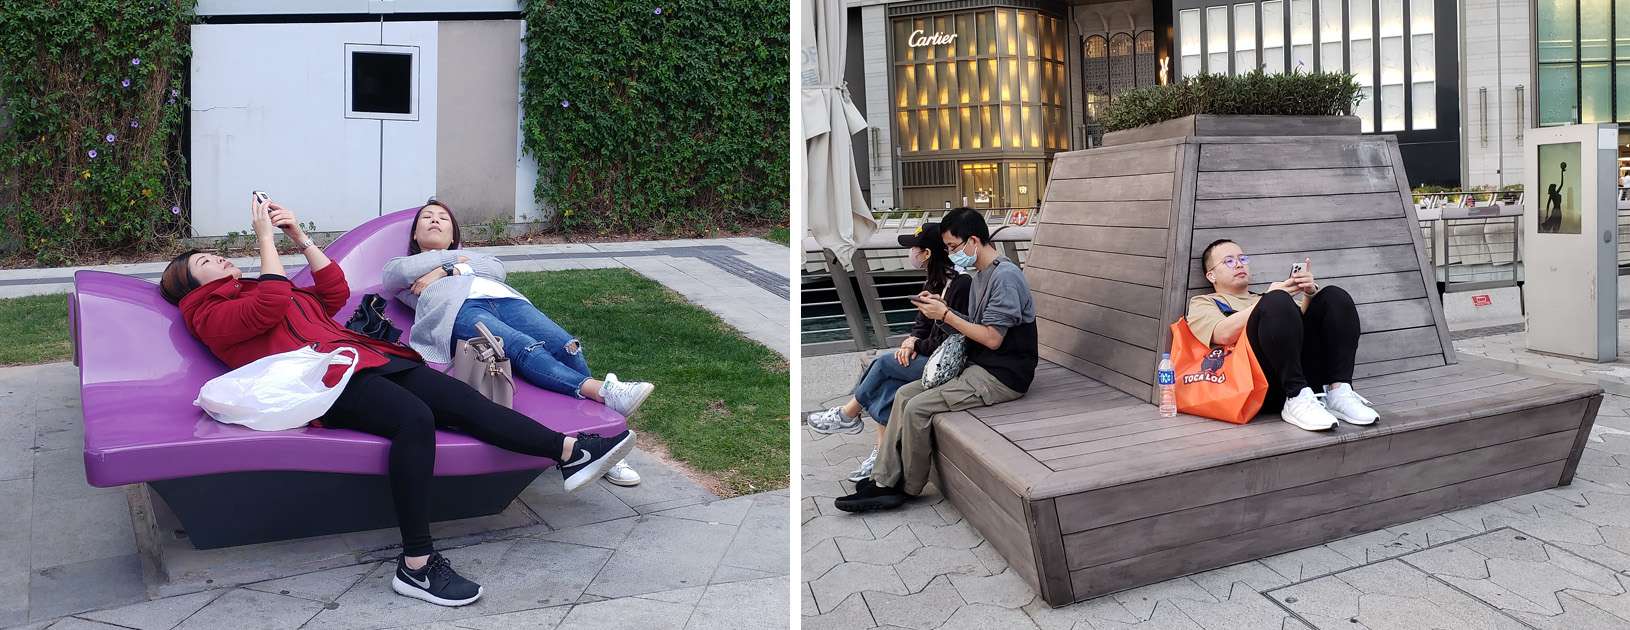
(1345, 404)
(1306, 412)
(865, 469)
(833, 421)
(622, 474)
(625, 398)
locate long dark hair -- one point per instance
(413, 245)
(939, 267)
(177, 280)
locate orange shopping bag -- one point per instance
(1222, 383)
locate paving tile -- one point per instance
(607, 535)
(807, 510)
(1525, 577)
(762, 539)
(446, 533)
(1086, 615)
(627, 612)
(14, 589)
(678, 596)
(1375, 546)
(1245, 610)
(1432, 530)
(75, 623)
(159, 614)
(985, 617)
(925, 610)
(1389, 595)
(663, 554)
(916, 511)
(806, 604)
(817, 560)
(67, 531)
(1255, 575)
(1005, 589)
(919, 568)
(1143, 601)
(849, 614)
(591, 504)
(757, 604)
(193, 570)
(891, 549)
(853, 577)
(251, 610)
(88, 585)
(823, 528)
(727, 511)
(994, 562)
(322, 586)
(535, 619)
(1307, 563)
(658, 485)
(727, 574)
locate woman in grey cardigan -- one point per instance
(450, 291)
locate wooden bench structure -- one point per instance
(1086, 490)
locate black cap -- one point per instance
(927, 236)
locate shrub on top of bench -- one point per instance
(1253, 93)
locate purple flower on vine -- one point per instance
(135, 61)
(135, 124)
(174, 92)
(175, 210)
(110, 137)
(565, 103)
(656, 11)
(92, 154)
(125, 83)
(169, 101)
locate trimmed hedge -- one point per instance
(1292, 94)
(666, 116)
(90, 158)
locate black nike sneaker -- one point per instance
(593, 455)
(435, 582)
(869, 496)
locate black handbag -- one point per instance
(369, 319)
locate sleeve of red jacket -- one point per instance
(226, 321)
(331, 288)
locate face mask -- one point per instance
(914, 259)
(963, 260)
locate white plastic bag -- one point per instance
(281, 391)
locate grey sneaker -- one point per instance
(865, 469)
(625, 398)
(833, 421)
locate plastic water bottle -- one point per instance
(1168, 387)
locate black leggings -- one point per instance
(1299, 350)
(407, 407)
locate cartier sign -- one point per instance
(918, 39)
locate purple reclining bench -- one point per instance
(140, 370)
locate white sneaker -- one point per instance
(1306, 412)
(622, 474)
(833, 421)
(625, 398)
(1344, 403)
(865, 469)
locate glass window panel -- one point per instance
(1330, 36)
(1007, 37)
(1188, 27)
(1301, 35)
(925, 132)
(1556, 30)
(1010, 126)
(1595, 24)
(1596, 90)
(1621, 75)
(1422, 58)
(987, 80)
(1121, 77)
(903, 122)
(1423, 108)
(923, 79)
(907, 87)
(1558, 95)
(930, 95)
(1361, 48)
(987, 33)
(1273, 37)
(1365, 110)
(967, 39)
(1216, 40)
(1244, 38)
(1621, 29)
(949, 94)
(1148, 65)
(1392, 107)
(1392, 45)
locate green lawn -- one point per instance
(721, 400)
(35, 329)
(780, 235)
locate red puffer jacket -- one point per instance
(243, 320)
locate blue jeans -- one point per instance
(536, 345)
(883, 378)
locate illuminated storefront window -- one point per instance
(1583, 52)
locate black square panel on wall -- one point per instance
(381, 83)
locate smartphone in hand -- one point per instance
(259, 196)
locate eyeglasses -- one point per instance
(1233, 262)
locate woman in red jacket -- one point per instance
(392, 394)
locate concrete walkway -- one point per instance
(1553, 559)
(666, 553)
(742, 280)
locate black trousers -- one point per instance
(407, 406)
(1299, 350)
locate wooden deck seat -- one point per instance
(1086, 490)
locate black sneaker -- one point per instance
(435, 582)
(869, 496)
(593, 455)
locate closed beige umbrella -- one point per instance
(834, 210)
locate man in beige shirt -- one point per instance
(1301, 345)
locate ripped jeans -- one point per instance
(540, 351)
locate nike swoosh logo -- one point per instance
(423, 582)
(583, 457)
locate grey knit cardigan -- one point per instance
(435, 310)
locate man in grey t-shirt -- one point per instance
(1000, 327)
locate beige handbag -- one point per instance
(481, 363)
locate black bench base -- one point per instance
(245, 508)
